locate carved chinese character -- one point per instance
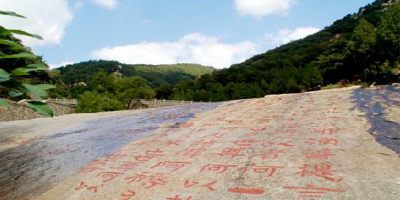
(318, 154)
(245, 143)
(108, 176)
(323, 142)
(319, 170)
(231, 152)
(204, 143)
(325, 131)
(148, 180)
(197, 184)
(127, 166)
(270, 154)
(216, 168)
(82, 185)
(175, 166)
(149, 155)
(191, 152)
(311, 191)
(128, 195)
(253, 168)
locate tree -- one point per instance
(18, 69)
(62, 90)
(388, 48)
(388, 34)
(102, 82)
(106, 92)
(361, 47)
(311, 78)
(92, 102)
(164, 92)
(332, 63)
(133, 88)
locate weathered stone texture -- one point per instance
(22, 112)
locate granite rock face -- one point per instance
(332, 144)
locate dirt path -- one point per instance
(319, 145)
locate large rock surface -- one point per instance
(333, 144)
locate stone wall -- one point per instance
(137, 104)
(22, 112)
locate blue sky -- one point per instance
(210, 32)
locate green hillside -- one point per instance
(192, 69)
(156, 75)
(361, 47)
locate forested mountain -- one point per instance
(361, 47)
(156, 75)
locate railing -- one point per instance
(163, 103)
(64, 101)
(143, 103)
(137, 104)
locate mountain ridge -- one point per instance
(156, 75)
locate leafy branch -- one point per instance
(17, 63)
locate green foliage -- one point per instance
(19, 32)
(364, 38)
(20, 55)
(367, 54)
(40, 108)
(91, 102)
(362, 47)
(379, 73)
(83, 72)
(245, 91)
(11, 14)
(37, 90)
(113, 81)
(20, 68)
(312, 78)
(155, 75)
(61, 90)
(164, 92)
(101, 82)
(133, 88)
(389, 34)
(347, 57)
(190, 69)
(111, 93)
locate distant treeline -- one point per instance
(110, 85)
(156, 75)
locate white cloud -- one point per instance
(53, 66)
(48, 18)
(286, 35)
(110, 4)
(260, 8)
(193, 48)
(78, 5)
